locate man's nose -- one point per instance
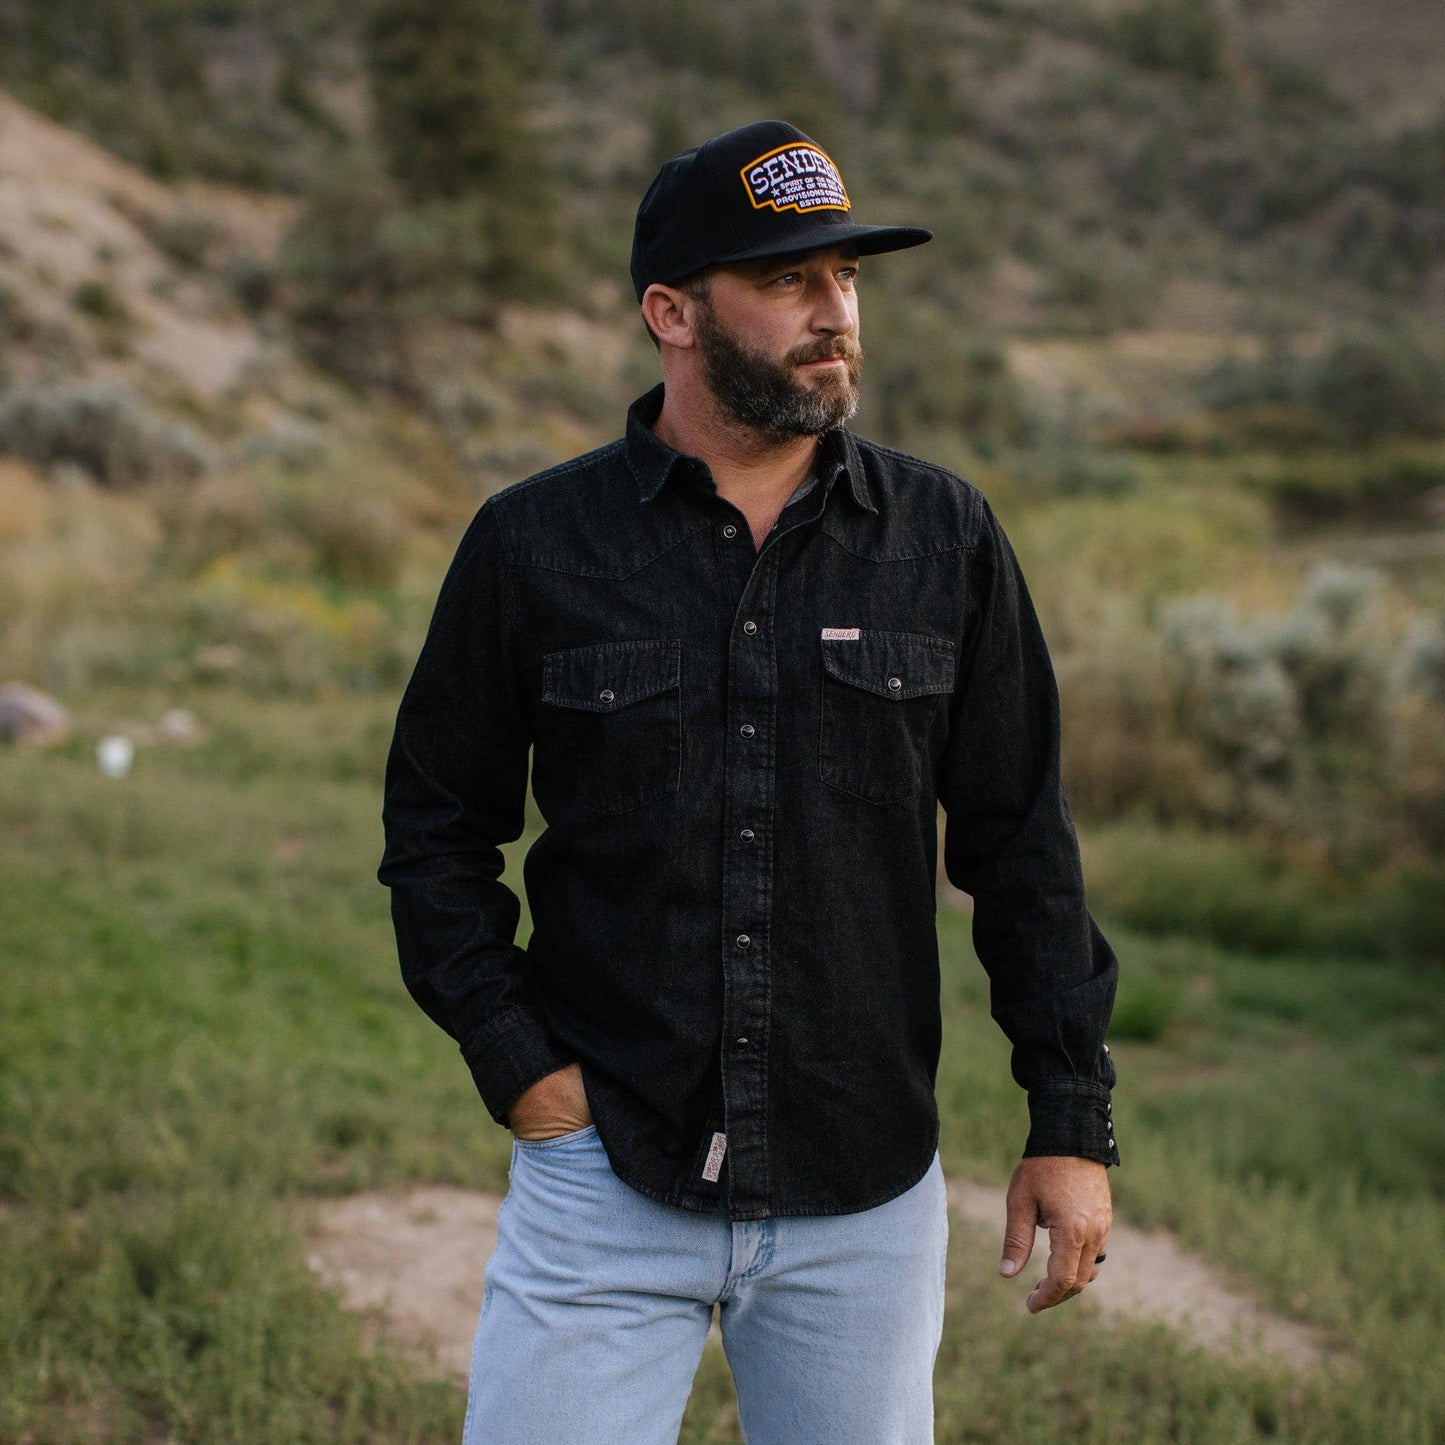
(833, 311)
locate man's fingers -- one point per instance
(1062, 1280)
(1018, 1235)
(1071, 1270)
(1084, 1267)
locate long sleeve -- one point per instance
(1009, 841)
(456, 780)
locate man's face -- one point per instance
(778, 341)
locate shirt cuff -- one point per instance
(509, 1056)
(1074, 1119)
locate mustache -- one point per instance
(842, 347)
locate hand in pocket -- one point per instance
(555, 1104)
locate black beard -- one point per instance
(761, 393)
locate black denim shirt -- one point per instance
(738, 754)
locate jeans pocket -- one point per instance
(611, 722)
(880, 694)
(558, 1140)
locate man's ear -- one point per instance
(665, 310)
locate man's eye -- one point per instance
(786, 279)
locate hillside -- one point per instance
(1181, 323)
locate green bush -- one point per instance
(927, 373)
(1185, 36)
(1144, 1007)
(1362, 389)
(1319, 483)
(187, 235)
(1374, 386)
(451, 114)
(99, 300)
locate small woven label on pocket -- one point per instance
(713, 1167)
(840, 634)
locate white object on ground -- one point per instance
(115, 755)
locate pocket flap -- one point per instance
(609, 675)
(891, 664)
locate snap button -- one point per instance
(747, 835)
(743, 940)
(895, 683)
(606, 694)
(741, 1043)
(730, 530)
(750, 627)
(747, 730)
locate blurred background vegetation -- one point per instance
(287, 289)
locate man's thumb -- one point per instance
(1018, 1238)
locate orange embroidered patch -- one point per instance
(795, 177)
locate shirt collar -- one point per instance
(652, 461)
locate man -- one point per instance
(751, 653)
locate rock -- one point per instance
(31, 719)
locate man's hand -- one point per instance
(555, 1104)
(1070, 1198)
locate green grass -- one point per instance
(204, 1023)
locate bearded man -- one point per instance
(751, 653)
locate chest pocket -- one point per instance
(881, 691)
(612, 716)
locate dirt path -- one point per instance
(416, 1259)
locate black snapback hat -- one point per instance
(762, 190)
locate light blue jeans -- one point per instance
(598, 1299)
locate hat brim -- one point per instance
(870, 241)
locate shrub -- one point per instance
(932, 374)
(251, 281)
(186, 235)
(1319, 482)
(1375, 385)
(102, 427)
(1185, 36)
(356, 539)
(1322, 726)
(1363, 388)
(447, 80)
(99, 300)
(1144, 1007)
(361, 266)
(276, 636)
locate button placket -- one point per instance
(751, 702)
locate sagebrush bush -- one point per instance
(355, 538)
(1324, 724)
(103, 427)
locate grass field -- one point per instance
(204, 1023)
